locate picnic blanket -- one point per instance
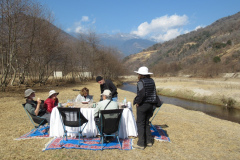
(159, 134)
(35, 133)
(88, 144)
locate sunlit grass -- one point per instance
(215, 99)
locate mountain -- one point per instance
(205, 52)
(126, 43)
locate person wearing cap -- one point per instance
(35, 107)
(145, 100)
(107, 84)
(84, 96)
(51, 101)
(105, 104)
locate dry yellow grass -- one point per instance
(193, 134)
(206, 90)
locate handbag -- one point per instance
(159, 102)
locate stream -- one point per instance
(212, 110)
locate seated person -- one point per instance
(106, 104)
(51, 101)
(35, 107)
(84, 96)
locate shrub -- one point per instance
(228, 102)
(216, 59)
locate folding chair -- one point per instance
(72, 117)
(156, 109)
(110, 124)
(35, 120)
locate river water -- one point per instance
(212, 110)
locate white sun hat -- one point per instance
(52, 92)
(143, 71)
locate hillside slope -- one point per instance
(207, 51)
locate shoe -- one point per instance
(149, 144)
(138, 147)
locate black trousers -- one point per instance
(144, 113)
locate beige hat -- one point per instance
(52, 92)
(28, 92)
(107, 92)
(143, 71)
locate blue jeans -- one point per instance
(115, 99)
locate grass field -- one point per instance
(193, 134)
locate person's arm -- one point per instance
(140, 95)
(96, 111)
(48, 105)
(30, 109)
(38, 106)
(101, 90)
(112, 87)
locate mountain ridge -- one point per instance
(216, 46)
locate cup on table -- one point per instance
(59, 105)
(94, 105)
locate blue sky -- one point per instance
(160, 20)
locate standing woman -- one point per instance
(145, 99)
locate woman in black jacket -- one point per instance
(145, 99)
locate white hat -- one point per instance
(107, 92)
(28, 92)
(52, 92)
(143, 71)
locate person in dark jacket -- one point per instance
(107, 84)
(145, 100)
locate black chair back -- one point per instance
(110, 120)
(77, 119)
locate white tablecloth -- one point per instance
(127, 127)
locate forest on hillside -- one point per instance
(32, 48)
(206, 52)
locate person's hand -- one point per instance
(39, 101)
(137, 105)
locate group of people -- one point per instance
(44, 108)
(145, 100)
(39, 107)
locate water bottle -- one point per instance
(125, 102)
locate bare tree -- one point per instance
(11, 11)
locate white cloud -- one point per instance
(82, 25)
(94, 21)
(170, 34)
(162, 28)
(79, 29)
(198, 27)
(68, 29)
(85, 18)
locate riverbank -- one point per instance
(193, 134)
(216, 91)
